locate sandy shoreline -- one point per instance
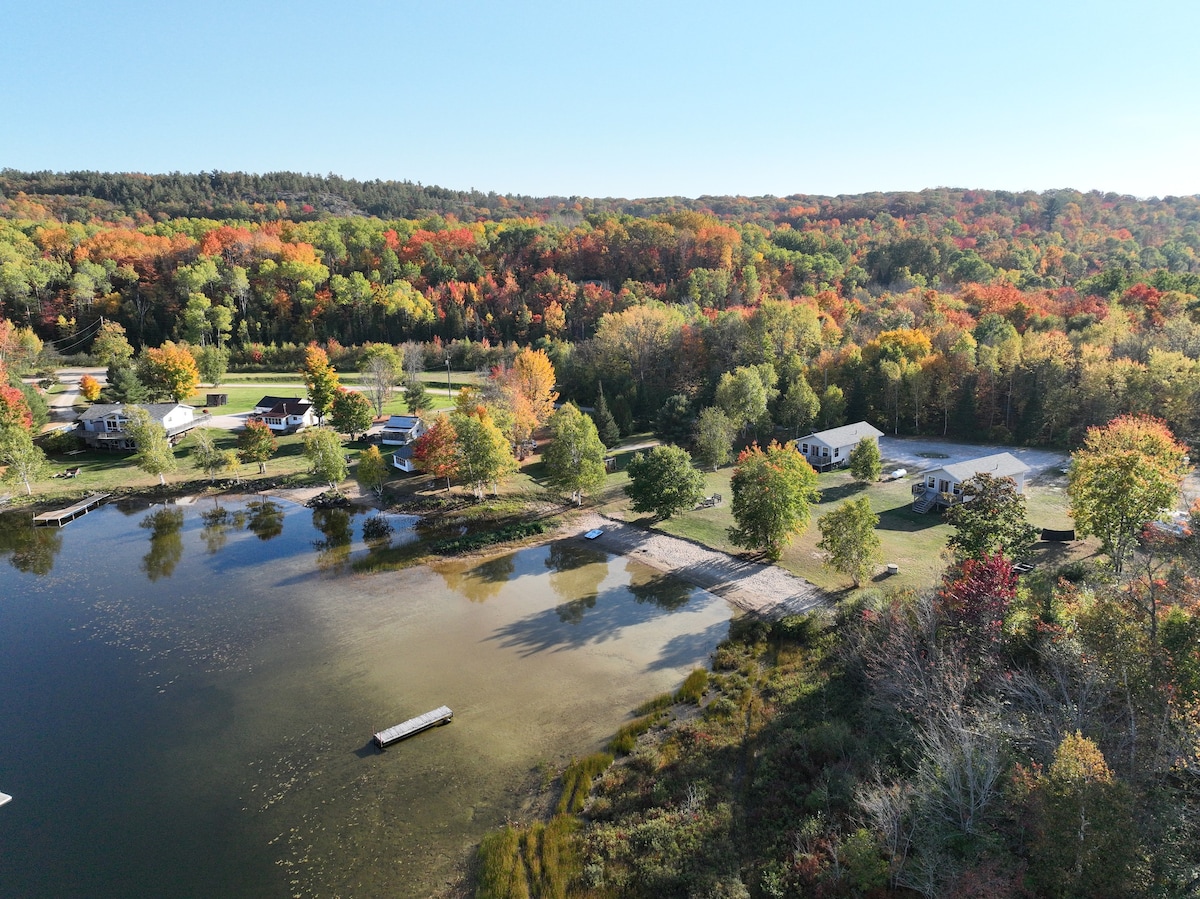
(751, 586)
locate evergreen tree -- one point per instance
(416, 397)
(675, 421)
(124, 385)
(606, 425)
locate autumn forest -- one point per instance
(1012, 731)
(1025, 318)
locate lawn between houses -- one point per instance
(914, 542)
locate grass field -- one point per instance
(914, 542)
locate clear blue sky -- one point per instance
(630, 99)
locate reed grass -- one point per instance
(577, 781)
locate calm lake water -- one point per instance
(187, 694)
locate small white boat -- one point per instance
(5, 799)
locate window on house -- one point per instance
(837, 452)
(804, 448)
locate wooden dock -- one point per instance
(385, 738)
(62, 516)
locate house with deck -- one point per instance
(285, 414)
(402, 431)
(826, 450)
(943, 487)
(103, 426)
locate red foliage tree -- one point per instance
(975, 597)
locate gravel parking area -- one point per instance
(917, 454)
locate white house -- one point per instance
(402, 431)
(943, 486)
(102, 426)
(830, 449)
(288, 415)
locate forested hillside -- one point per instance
(1024, 317)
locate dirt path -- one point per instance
(751, 586)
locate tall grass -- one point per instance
(577, 781)
(541, 861)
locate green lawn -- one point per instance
(914, 542)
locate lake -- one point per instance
(187, 696)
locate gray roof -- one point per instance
(846, 435)
(999, 465)
(158, 411)
(402, 422)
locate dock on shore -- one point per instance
(440, 715)
(62, 516)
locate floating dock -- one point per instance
(62, 516)
(441, 715)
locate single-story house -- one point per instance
(943, 486)
(102, 426)
(402, 431)
(831, 448)
(267, 403)
(289, 414)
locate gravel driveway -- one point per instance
(920, 453)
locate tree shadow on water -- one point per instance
(584, 621)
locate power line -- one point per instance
(76, 339)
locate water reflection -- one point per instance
(166, 542)
(483, 581)
(265, 519)
(666, 592)
(29, 549)
(218, 521)
(334, 551)
(576, 573)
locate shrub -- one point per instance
(626, 738)
(693, 687)
(471, 542)
(377, 528)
